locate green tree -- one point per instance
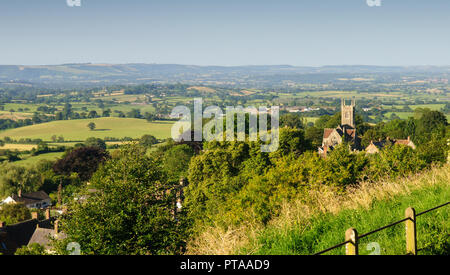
(91, 126)
(430, 122)
(14, 213)
(218, 174)
(92, 114)
(314, 135)
(291, 121)
(291, 141)
(176, 161)
(31, 249)
(66, 112)
(95, 142)
(106, 113)
(373, 134)
(14, 178)
(148, 140)
(394, 161)
(433, 150)
(134, 113)
(84, 161)
(132, 212)
(345, 166)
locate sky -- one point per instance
(226, 32)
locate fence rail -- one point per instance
(352, 238)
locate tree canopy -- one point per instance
(132, 213)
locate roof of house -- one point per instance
(42, 236)
(381, 143)
(351, 132)
(20, 234)
(403, 141)
(30, 198)
(16, 235)
(327, 132)
(340, 130)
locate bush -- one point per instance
(14, 213)
(32, 249)
(95, 142)
(132, 212)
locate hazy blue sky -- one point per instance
(226, 32)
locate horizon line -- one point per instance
(214, 65)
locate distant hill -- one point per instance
(88, 74)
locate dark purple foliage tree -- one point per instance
(83, 160)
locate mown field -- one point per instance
(28, 147)
(77, 130)
(18, 147)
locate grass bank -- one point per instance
(306, 226)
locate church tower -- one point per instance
(348, 113)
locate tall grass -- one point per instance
(319, 219)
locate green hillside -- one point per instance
(77, 130)
(307, 228)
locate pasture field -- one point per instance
(339, 94)
(310, 119)
(15, 106)
(28, 160)
(125, 108)
(15, 115)
(73, 143)
(18, 147)
(77, 130)
(402, 115)
(434, 107)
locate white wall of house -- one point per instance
(41, 204)
(8, 200)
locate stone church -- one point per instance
(346, 132)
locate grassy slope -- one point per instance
(327, 229)
(28, 160)
(76, 130)
(31, 160)
(312, 226)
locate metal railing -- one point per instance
(352, 238)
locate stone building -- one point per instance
(346, 132)
(375, 146)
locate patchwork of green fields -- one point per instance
(402, 115)
(77, 130)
